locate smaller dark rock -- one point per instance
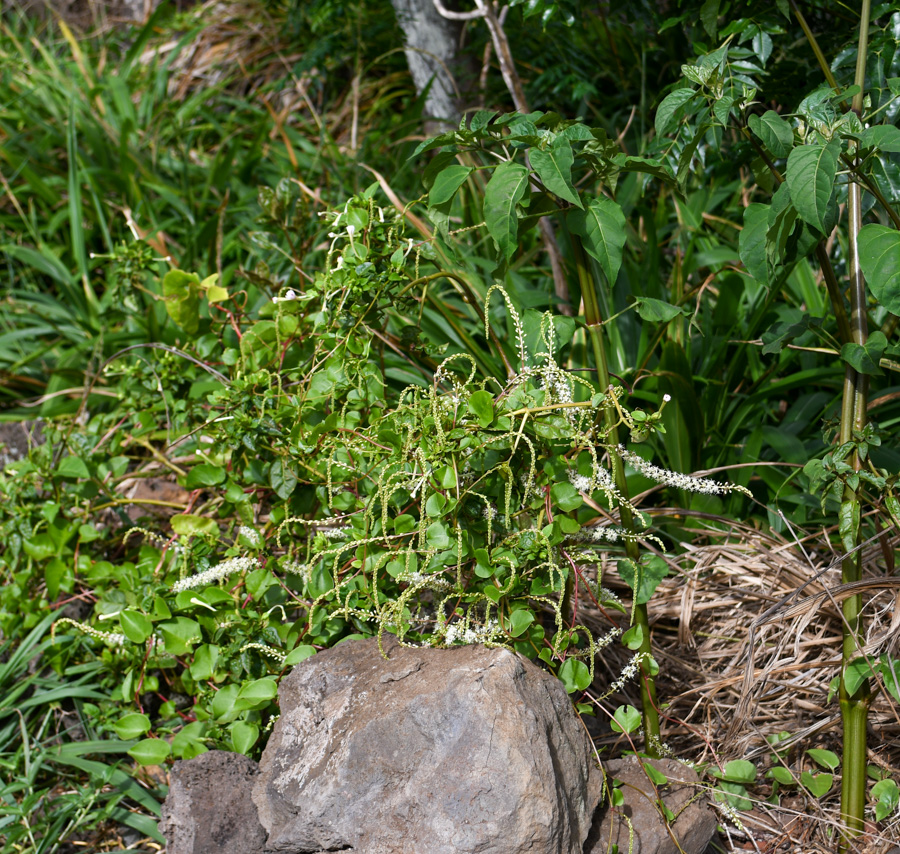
(209, 810)
(17, 437)
(694, 823)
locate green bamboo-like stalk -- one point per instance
(594, 321)
(854, 705)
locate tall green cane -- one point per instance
(854, 704)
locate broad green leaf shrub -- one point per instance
(330, 497)
(828, 157)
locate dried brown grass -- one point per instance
(239, 44)
(747, 631)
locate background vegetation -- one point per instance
(275, 399)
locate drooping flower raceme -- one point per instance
(214, 573)
(628, 673)
(111, 638)
(679, 481)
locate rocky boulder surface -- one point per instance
(441, 751)
(649, 833)
(456, 751)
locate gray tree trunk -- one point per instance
(432, 52)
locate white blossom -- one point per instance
(607, 595)
(456, 632)
(435, 581)
(609, 534)
(562, 391)
(111, 638)
(608, 638)
(290, 294)
(628, 673)
(304, 570)
(581, 482)
(603, 478)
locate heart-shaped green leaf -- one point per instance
(150, 751)
(501, 195)
(601, 228)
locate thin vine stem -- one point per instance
(594, 320)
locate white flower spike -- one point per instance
(679, 481)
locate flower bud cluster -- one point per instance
(271, 652)
(458, 633)
(111, 638)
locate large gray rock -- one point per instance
(694, 823)
(428, 752)
(209, 810)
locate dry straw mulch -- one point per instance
(747, 633)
